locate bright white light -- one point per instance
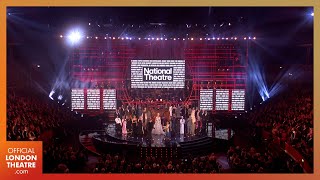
(157, 39)
(61, 36)
(161, 39)
(152, 38)
(229, 24)
(75, 37)
(235, 38)
(200, 39)
(114, 38)
(96, 37)
(38, 66)
(191, 39)
(89, 24)
(312, 14)
(149, 39)
(105, 37)
(122, 38)
(60, 97)
(87, 37)
(280, 67)
(245, 38)
(50, 95)
(254, 38)
(139, 38)
(174, 39)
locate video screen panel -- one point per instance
(77, 99)
(238, 100)
(206, 99)
(157, 73)
(93, 98)
(222, 99)
(109, 99)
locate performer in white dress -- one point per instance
(157, 128)
(182, 122)
(193, 120)
(124, 126)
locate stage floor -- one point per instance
(154, 140)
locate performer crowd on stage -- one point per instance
(170, 121)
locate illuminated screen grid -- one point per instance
(238, 100)
(109, 99)
(77, 99)
(93, 98)
(157, 73)
(206, 99)
(222, 99)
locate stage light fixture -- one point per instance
(191, 39)
(139, 38)
(245, 38)
(161, 39)
(235, 38)
(51, 94)
(114, 38)
(312, 14)
(61, 36)
(96, 37)
(75, 37)
(105, 37)
(254, 38)
(174, 39)
(38, 66)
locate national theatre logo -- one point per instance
(157, 73)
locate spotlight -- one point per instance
(60, 97)
(174, 39)
(157, 39)
(245, 38)
(114, 38)
(87, 37)
(200, 39)
(96, 37)
(75, 37)
(61, 36)
(161, 39)
(122, 38)
(191, 39)
(254, 38)
(51, 93)
(105, 37)
(38, 66)
(139, 38)
(280, 67)
(235, 38)
(9, 14)
(312, 14)
(89, 24)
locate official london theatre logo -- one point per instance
(157, 73)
